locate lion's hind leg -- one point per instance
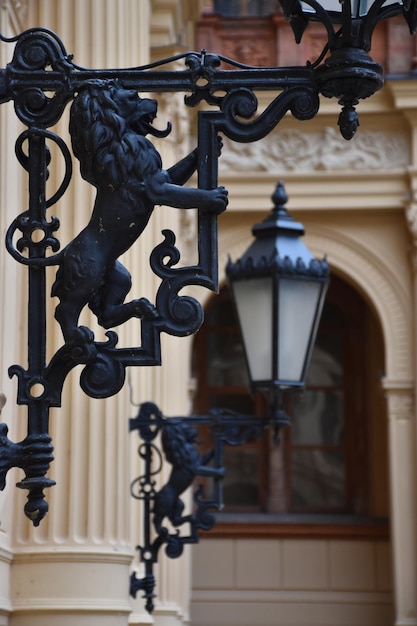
(109, 305)
(67, 313)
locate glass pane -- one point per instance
(240, 485)
(261, 7)
(326, 368)
(298, 301)
(332, 315)
(255, 8)
(254, 304)
(328, 5)
(226, 365)
(318, 418)
(239, 403)
(318, 480)
(220, 313)
(359, 8)
(228, 7)
(362, 7)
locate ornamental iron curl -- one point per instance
(109, 121)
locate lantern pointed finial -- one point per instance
(280, 198)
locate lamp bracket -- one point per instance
(41, 80)
(164, 508)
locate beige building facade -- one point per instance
(358, 203)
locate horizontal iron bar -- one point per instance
(264, 79)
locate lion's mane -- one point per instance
(110, 151)
(178, 441)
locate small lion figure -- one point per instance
(179, 446)
(108, 127)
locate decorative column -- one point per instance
(402, 438)
(403, 443)
(74, 568)
(76, 564)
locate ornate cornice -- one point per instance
(290, 149)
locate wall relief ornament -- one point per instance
(289, 150)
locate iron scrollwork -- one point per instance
(41, 80)
(163, 506)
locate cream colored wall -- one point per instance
(291, 582)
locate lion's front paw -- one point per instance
(144, 309)
(218, 199)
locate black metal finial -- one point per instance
(280, 198)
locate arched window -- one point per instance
(331, 466)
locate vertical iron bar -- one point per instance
(36, 302)
(207, 179)
(147, 553)
(38, 448)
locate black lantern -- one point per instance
(278, 288)
(348, 73)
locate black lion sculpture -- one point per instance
(108, 125)
(179, 446)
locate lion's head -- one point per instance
(108, 124)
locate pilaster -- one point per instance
(402, 437)
(75, 566)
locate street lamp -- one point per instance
(348, 73)
(278, 288)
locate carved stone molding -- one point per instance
(400, 401)
(291, 149)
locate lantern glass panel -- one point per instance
(298, 301)
(360, 8)
(254, 301)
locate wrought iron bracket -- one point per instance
(41, 80)
(163, 509)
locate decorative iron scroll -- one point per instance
(40, 67)
(180, 448)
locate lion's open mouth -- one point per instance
(144, 125)
(158, 133)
